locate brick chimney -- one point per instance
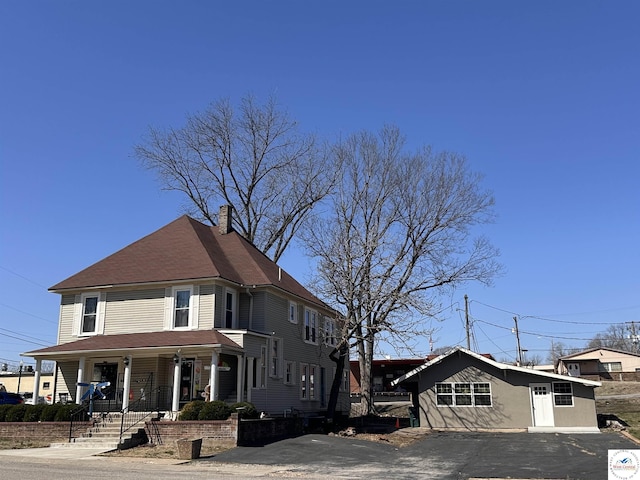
(224, 219)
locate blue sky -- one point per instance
(542, 97)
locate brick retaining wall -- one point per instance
(46, 431)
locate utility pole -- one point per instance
(466, 316)
(519, 357)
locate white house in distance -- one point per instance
(191, 309)
(602, 364)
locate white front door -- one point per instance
(542, 404)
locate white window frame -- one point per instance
(304, 381)
(310, 326)
(458, 391)
(234, 308)
(275, 357)
(330, 332)
(557, 395)
(262, 368)
(293, 312)
(290, 373)
(174, 297)
(79, 314)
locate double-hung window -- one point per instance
(289, 373)
(230, 308)
(463, 394)
(330, 332)
(182, 299)
(562, 394)
(181, 307)
(308, 378)
(276, 357)
(310, 325)
(89, 314)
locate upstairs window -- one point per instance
(310, 326)
(181, 312)
(330, 332)
(276, 357)
(89, 314)
(293, 312)
(230, 309)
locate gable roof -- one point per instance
(591, 350)
(132, 341)
(493, 363)
(186, 249)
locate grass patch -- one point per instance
(626, 409)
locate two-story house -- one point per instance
(194, 312)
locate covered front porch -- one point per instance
(161, 370)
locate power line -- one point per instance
(23, 277)
(23, 335)
(27, 313)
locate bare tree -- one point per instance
(617, 336)
(252, 157)
(397, 232)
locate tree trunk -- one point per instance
(339, 356)
(365, 359)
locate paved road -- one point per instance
(439, 456)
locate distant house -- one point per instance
(464, 390)
(383, 372)
(601, 364)
(194, 312)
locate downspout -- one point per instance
(250, 308)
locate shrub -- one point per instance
(191, 410)
(216, 410)
(64, 412)
(3, 411)
(48, 413)
(248, 410)
(15, 413)
(33, 412)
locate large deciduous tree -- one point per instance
(398, 230)
(618, 336)
(252, 157)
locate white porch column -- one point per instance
(213, 379)
(127, 383)
(239, 385)
(175, 403)
(250, 362)
(80, 380)
(36, 381)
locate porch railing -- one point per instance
(137, 412)
(79, 419)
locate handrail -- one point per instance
(81, 414)
(139, 410)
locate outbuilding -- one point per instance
(461, 389)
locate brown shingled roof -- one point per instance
(186, 249)
(129, 341)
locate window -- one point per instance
(46, 385)
(562, 394)
(182, 300)
(289, 373)
(262, 373)
(463, 394)
(612, 366)
(304, 375)
(276, 357)
(293, 312)
(89, 314)
(230, 309)
(310, 325)
(330, 332)
(345, 380)
(312, 382)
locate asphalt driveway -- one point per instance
(445, 456)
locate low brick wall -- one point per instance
(46, 431)
(170, 431)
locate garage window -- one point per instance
(562, 394)
(463, 394)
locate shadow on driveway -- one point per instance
(442, 456)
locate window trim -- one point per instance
(275, 357)
(234, 308)
(310, 327)
(262, 369)
(330, 332)
(79, 314)
(293, 312)
(289, 373)
(458, 390)
(174, 297)
(562, 394)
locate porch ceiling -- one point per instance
(152, 342)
